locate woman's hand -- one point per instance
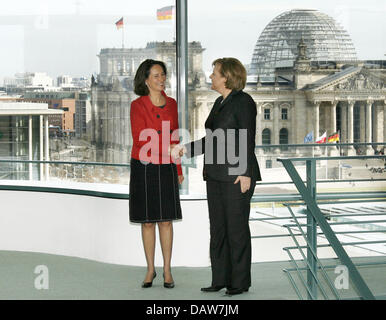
(245, 183)
(177, 151)
(180, 179)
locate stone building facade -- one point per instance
(329, 96)
(348, 98)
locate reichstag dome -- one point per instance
(325, 39)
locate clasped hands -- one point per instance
(177, 151)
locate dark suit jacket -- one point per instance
(229, 150)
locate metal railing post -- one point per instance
(182, 76)
(311, 231)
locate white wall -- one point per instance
(95, 228)
(99, 229)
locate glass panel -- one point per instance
(77, 59)
(294, 57)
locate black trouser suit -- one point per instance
(230, 238)
(230, 243)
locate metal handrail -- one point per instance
(332, 158)
(333, 144)
(67, 162)
(313, 270)
(309, 196)
(309, 247)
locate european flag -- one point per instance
(309, 137)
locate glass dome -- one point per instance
(277, 45)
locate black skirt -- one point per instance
(154, 194)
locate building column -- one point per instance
(343, 118)
(316, 123)
(124, 69)
(41, 146)
(259, 138)
(333, 116)
(47, 146)
(350, 128)
(276, 129)
(30, 146)
(316, 119)
(325, 118)
(333, 151)
(378, 124)
(369, 106)
(384, 129)
(292, 116)
(362, 120)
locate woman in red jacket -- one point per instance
(154, 177)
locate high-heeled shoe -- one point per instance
(149, 284)
(168, 285)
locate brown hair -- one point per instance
(234, 71)
(142, 74)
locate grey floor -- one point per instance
(72, 278)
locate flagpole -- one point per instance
(174, 70)
(123, 35)
(174, 30)
(326, 155)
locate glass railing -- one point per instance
(339, 174)
(349, 192)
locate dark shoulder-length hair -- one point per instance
(234, 71)
(142, 74)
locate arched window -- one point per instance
(283, 138)
(266, 136)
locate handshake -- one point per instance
(177, 151)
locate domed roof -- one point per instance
(277, 45)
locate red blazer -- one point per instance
(153, 130)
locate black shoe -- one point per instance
(234, 291)
(168, 285)
(212, 288)
(149, 284)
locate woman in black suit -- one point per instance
(231, 171)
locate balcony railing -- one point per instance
(315, 218)
(311, 213)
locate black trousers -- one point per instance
(230, 237)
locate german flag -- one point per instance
(334, 137)
(119, 23)
(165, 13)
